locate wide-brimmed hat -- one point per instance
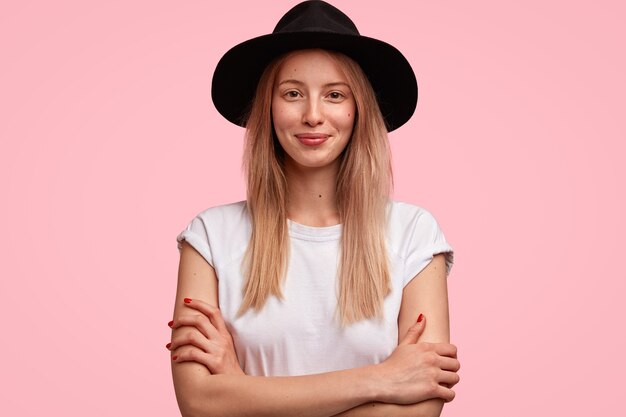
(315, 24)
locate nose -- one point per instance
(313, 113)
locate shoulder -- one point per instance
(218, 233)
(224, 222)
(411, 227)
(415, 235)
(405, 215)
(225, 214)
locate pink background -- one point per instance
(111, 144)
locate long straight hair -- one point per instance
(364, 183)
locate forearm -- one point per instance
(428, 408)
(320, 395)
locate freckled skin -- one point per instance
(311, 95)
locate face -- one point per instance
(313, 109)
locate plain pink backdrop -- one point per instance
(111, 144)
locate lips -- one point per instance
(312, 139)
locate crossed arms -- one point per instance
(414, 381)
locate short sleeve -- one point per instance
(426, 241)
(196, 234)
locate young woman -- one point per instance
(318, 295)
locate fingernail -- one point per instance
(168, 345)
(171, 323)
(187, 300)
(174, 357)
(420, 318)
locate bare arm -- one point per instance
(201, 394)
(427, 294)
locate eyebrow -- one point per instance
(292, 81)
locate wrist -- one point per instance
(372, 383)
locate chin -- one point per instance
(314, 162)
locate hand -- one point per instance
(206, 341)
(415, 372)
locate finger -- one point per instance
(445, 393)
(414, 332)
(214, 363)
(193, 354)
(449, 379)
(200, 322)
(449, 364)
(211, 311)
(192, 337)
(445, 349)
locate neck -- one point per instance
(312, 195)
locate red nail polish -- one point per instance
(171, 323)
(174, 357)
(168, 345)
(420, 318)
(187, 300)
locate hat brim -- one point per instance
(390, 74)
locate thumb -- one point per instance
(414, 332)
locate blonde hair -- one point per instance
(364, 183)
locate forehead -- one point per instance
(312, 64)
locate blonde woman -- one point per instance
(318, 295)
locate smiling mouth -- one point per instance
(312, 139)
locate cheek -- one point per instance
(276, 113)
(280, 123)
(349, 118)
(281, 117)
(343, 118)
(350, 113)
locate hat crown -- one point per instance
(316, 16)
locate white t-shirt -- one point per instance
(300, 334)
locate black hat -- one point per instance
(315, 24)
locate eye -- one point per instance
(335, 95)
(292, 94)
